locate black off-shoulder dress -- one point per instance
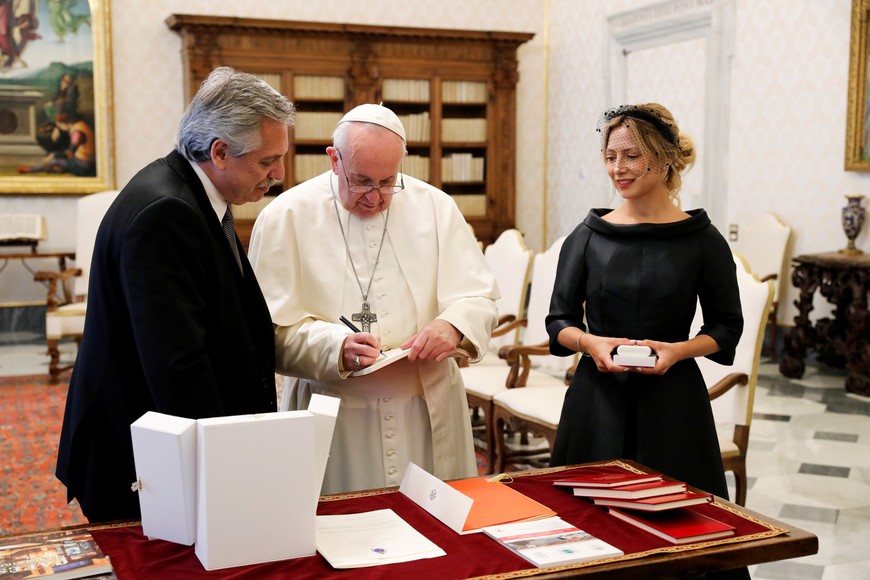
(643, 282)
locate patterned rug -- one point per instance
(31, 411)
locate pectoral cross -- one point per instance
(366, 317)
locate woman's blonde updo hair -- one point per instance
(654, 128)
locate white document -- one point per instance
(164, 450)
(371, 539)
(447, 504)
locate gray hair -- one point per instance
(230, 106)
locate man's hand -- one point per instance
(437, 340)
(361, 349)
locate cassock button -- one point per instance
(393, 471)
(391, 452)
(388, 418)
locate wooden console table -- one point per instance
(843, 341)
(60, 255)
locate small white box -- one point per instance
(634, 361)
(633, 350)
(632, 355)
(256, 502)
(164, 450)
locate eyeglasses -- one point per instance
(359, 189)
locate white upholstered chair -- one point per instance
(763, 244)
(511, 264)
(528, 362)
(732, 388)
(65, 314)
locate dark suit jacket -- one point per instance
(172, 326)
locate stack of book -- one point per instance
(651, 503)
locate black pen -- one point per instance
(353, 327)
(349, 324)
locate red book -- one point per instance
(657, 503)
(636, 491)
(608, 479)
(680, 526)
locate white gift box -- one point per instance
(164, 447)
(243, 488)
(256, 499)
(325, 411)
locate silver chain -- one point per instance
(365, 295)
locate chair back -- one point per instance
(90, 211)
(540, 292)
(763, 245)
(735, 406)
(510, 261)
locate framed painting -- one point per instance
(857, 106)
(56, 116)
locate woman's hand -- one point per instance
(600, 349)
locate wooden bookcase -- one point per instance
(455, 91)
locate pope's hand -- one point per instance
(361, 349)
(437, 340)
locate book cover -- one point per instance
(624, 477)
(679, 526)
(551, 542)
(496, 503)
(388, 358)
(635, 491)
(396, 354)
(60, 554)
(657, 503)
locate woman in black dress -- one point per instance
(637, 273)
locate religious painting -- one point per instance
(858, 103)
(55, 97)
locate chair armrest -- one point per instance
(725, 384)
(569, 374)
(768, 277)
(507, 323)
(52, 279)
(517, 357)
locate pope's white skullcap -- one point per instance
(378, 115)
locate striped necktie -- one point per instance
(230, 231)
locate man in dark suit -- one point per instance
(176, 322)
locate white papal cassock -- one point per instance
(430, 267)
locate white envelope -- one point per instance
(253, 504)
(164, 450)
(447, 504)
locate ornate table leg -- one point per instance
(857, 343)
(804, 277)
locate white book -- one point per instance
(387, 357)
(22, 226)
(551, 542)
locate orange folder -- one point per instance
(496, 503)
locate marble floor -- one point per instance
(808, 461)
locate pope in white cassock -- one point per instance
(394, 255)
